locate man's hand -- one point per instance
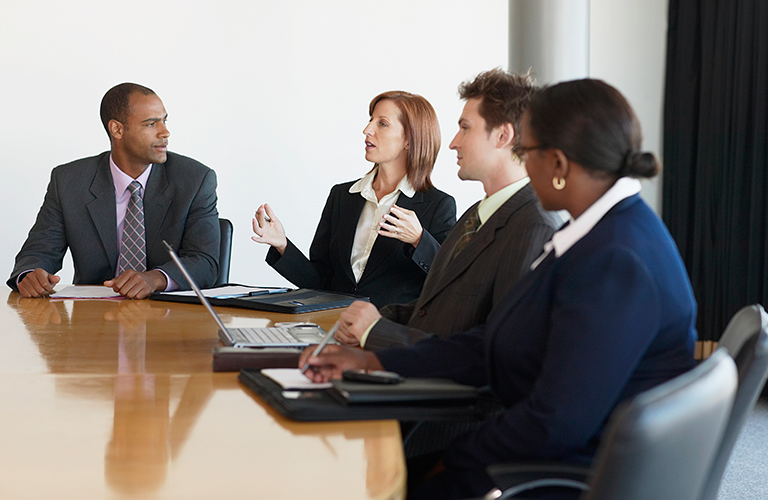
(335, 359)
(354, 321)
(135, 285)
(38, 283)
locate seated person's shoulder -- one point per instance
(77, 166)
(77, 173)
(186, 165)
(435, 194)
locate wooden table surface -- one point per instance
(116, 399)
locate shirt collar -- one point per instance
(121, 180)
(364, 186)
(565, 238)
(489, 204)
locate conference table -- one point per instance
(117, 399)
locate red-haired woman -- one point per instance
(378, 235)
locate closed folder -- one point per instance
(410, 390)
(234, 359)
(291, 302)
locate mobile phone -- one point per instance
(372, 377)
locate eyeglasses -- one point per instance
(522, 151)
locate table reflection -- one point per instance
(82, 336)
(131, 381)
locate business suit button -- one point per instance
(422, 312)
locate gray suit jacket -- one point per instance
(79, 213)
(460, 293)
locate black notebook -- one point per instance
(291, 302)
(408, 391)
(321, 405)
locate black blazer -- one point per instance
(395, 271)
(79, 213)
(460, 292)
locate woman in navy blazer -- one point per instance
(606, 312)
(395, 200)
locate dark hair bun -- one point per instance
(639, 164)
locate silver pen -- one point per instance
(321, 345)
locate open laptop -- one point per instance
(298, 335)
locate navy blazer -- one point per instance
(395, 271)
(611, 317)
(79, 214)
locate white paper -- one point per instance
(293, 379)
(86, 292)
(223, 292)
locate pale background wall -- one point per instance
(272, 95)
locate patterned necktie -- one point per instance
(470, 228)
(133, 252)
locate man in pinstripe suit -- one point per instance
(491, 246)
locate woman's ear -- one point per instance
(561, 164)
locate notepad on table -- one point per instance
(291, 379)
(86, 292)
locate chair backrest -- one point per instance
(225, 250)
(746, 340)
(661, 444)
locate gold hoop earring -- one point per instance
(558, 183)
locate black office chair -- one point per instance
(660, 445)
(225, 250)
(746, 340)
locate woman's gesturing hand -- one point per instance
(269, 229)
(401, 224)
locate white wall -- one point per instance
(272, 95)
(628, 40)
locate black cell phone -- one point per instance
(372, 377)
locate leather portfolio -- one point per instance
(322, 405)
(291, 302)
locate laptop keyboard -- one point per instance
(267, 335)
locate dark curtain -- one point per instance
(715, 136)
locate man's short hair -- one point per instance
(114, 104)
(503, 97)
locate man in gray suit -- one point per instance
(475, 266)
(87, 200)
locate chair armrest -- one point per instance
(515, 478)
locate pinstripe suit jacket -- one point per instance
(460, 293)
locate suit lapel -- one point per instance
(156, 203)
(344, 233)
(384, 247)
(454, 267)
(102, 209)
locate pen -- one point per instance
(321, 345)
(268, 291)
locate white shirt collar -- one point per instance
(565, 238)
(489, 204)
(365, 186)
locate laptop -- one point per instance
(296, 335)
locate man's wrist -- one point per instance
(21, 277)
(159, 280)
(364, 336)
